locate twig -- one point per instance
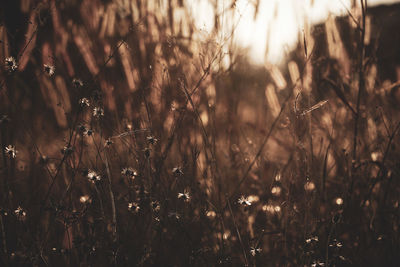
(237, 232)
(112, 199)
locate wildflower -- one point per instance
(336, 243)
(151, 140)
(84, 102)
(177, 171)
(255, 251)
(11, 151)
(82, 128)
(155, 206)
(185, 196)
(77, 83)
(49, 69)
(317, 263)
(133, 207)
(312, 239)
(244, 201)
(88, 132)
(93, 176)
(108, 142)
(85, 199)
(11, 64)
(129, 172)
(20, 213)
(98, 112)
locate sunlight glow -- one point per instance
(275, 30)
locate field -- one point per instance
(129, 137)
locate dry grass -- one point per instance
(150, 145)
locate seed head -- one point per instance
(49, 69)
(84, 102)
(77, 83)
(185, 196)
(11, 64)
(108, 142)
(133, 207)
(20, 213)
(129, 172)
(177, 171)
(11, 151)
(93, 176)
(244, 201)
(254, 251)
(151, 140)
(98, 112)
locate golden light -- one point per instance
(277, 26)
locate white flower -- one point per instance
(185, 196)
(93, 176)
(108, 142)
(133, 207)
(77, 83)
(49, 69)
(11, 64)
(244, 201)
(177, 171)
(151, 140)
(98, 112)
(155, 205)
(129, 172)
(84, 102)
(20, 213)
(88, 132)
(11, 151)
(255, 251)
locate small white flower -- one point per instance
(49, 69)
(77, 82)
(20, 213)
(312, 239)
(244, 201)
(84, 102)
(98, 112)
(132, 173)
(11, 151)
(255, 251)
(133, 207)
(155, 205)
(108, 142)
(185, 196)
(93, 176)
(177, 171)
(151, 140)
(11, 64)
(88, 132)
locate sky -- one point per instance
(281, 20)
